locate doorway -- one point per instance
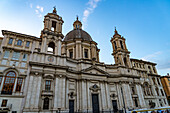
(71, 106)
(95, 103)
(114, 103)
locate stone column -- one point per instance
(63, 93)
(119, 94)
(22, 87)
(3, 80)
(84, 96)
(140, 95)
(77, 50)
(37, 96)
(59, 47)
(34, 91)
(56, 27)
(15, 85)
(13, 42)
(89, 96)
(80, 46)
(44, 44)
(127, 96)
(3, 42)
(103, 96)
(78, 96)
(28, 97)
(67, 91)
(108, 96)
(56, 94)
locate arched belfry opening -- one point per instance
(51, 48)
(125, 61)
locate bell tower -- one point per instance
(52, 33)
(120, 51)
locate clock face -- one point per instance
(50, 59)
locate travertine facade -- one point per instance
(63, 73)
(166, 85)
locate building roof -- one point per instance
(139, 60)
(19, 34)
(77, 34)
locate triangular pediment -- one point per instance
(94, 70)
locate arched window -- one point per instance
(9, 83)
(51, 48)
(121, 44)
(158, 81)
(115, 45)
(147, 89)
(46, 103)
(157, 91)
(154, 82)
(149, 69)
(162, 92)
(125, 61)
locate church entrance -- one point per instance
(71, 106)
(95, 103)
(114, 103)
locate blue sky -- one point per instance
(144, 23)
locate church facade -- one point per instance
(57, 73)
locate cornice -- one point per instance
(53, 33)
(48, 65)
(16, 49)
(142, 61)
(5, 32)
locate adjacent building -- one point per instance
(166, 85)
(53, 73)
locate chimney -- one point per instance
(168, 74)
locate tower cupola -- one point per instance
(77, 24)
(53, 22)
(120, 51)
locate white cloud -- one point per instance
(92, 4)
(30, 5)
(152, 56)
(39, 10)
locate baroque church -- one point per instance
(54, 73)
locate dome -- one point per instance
(77, 34)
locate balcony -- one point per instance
(47, 93)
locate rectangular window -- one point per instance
(4, 103)
(19, 42)
(19, 84)
(121, 44)
(168, 79)
(6, 54)
(162, 92)
(4, 62)
(71, 53)
(0, 80)
(47, 85)
(10, 41)
(25, 57)
(115, 45)
(27, 44)
(86, 53)
(23, 64)
(53, 27)
(16, 55)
